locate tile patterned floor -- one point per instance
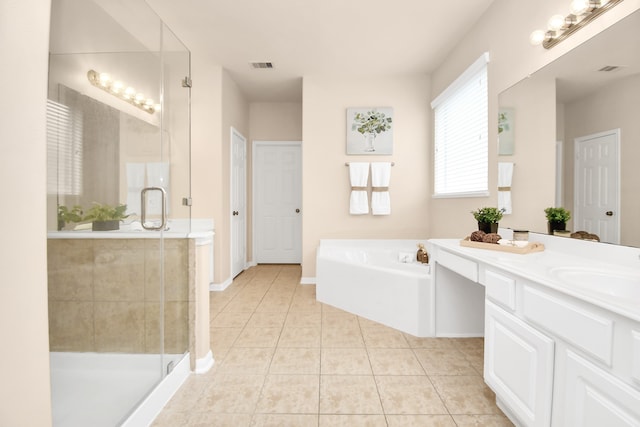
(284, 359)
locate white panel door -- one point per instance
(518, 366)
(596, 185)
(238, 203)
(277, 196)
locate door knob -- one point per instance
(609, 213)
(297, 210)
(235, 213)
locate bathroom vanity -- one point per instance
(561, 328)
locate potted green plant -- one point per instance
(557, 219)
(106, 217)
(488, 218)
(67, 215)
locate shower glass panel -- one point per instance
(118, 122)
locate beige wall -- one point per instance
(276, 121)
(512, 58)
(534, 174)
(24, 43)
(326, 188)
(217, 105)
(612, 107)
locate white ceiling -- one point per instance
(303, 37)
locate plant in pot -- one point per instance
(557, 219)
(488, 218)
(67, 215)
(106, 217)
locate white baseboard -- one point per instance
(204, 364)
(251, 264)
(220, 286)
(307, 280)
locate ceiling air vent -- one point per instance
(261, 65)
(609, 68)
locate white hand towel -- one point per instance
(505, 173)
(135, 184)
(359, 175)
(157, 176)
(380, 177)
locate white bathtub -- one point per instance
(366, 277)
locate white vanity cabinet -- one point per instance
(555, 360)
(518, 366)
(552, 356)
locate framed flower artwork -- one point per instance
(370, 131)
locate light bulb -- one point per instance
(117, 87)
(129, 92)
(139, 98)
(555, 22)
(105, 79)
(537, 37)
(578, 7)
(156, 107)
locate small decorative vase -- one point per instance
(488, 227)
(556, 225)
(105, 225)
(369, 139)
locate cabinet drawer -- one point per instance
(579, 326)
(458, 264)
(500, 289)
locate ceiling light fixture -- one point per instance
(581, 13)
(122, 91)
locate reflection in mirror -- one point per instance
(99, 154)
(577, 138)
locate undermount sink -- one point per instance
(608, 283)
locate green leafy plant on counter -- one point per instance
(100, 212)
(557, 214)
(488, 215)
(67, 215)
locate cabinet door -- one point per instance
(594, 398)
(518, 366)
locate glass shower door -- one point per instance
(118, 122)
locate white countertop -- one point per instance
(176, 229)
(539, 267)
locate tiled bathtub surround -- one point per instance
(283, 359)
(105, 296)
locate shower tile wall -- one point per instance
(105, 296)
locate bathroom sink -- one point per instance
(605, 282)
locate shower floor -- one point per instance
(101, 389)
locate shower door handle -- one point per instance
(163, 202)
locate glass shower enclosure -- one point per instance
(118, 207)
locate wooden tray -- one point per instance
(531, 247)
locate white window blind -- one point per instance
(64, 150)
(461, 135)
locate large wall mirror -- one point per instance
(576, 128)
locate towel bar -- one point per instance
(392, 164)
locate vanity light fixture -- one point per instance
(122, 91)
(559, 27)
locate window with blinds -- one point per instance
(461, 135)
(64, 150)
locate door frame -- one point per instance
(231, 245)
(576, 175)
(256, 143)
